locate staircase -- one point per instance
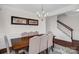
(73, 45)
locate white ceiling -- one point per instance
(37, 7)
(51, 9)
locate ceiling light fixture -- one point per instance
(42, 14)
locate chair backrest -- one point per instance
(50, 39)
(49, 32)
(7, 44)
(15, 41)
(34, 44)
(43, 42)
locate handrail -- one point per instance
(66, 26)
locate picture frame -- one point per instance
(19, 20)
(33, 22)
(23, 21)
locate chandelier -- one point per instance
(42, 14)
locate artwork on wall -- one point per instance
(23, 21)
(33, 22)
(19, 20)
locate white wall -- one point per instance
(1, 31)
(73, 22)
(51, 25)
(6, 28)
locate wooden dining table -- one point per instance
(21, 43)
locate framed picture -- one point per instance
(19, 20)
(33, 22)
(23, 21)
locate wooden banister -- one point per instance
(66, 26)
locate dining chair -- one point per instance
(43, 43)
(50, 41)
(7, 44)
(19, 44)
(34, 45)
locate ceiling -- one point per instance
(51, 9)
(37, 7)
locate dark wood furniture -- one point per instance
(21, 43)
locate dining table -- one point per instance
(21, 43)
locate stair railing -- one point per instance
(67, 27)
